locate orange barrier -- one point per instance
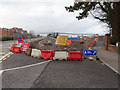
(75, 56)
(47, 54)
(91, 44)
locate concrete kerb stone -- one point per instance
(60, 55)
(36, 53)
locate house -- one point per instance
(13, 32)
(4, 32)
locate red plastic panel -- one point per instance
(75, 56)
(17, 50)
(47, 54)
(12, 48)
(25, 47)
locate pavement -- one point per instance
(110, 58)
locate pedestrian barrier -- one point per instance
(75, 56)
(36, 53)
(12, 48)
(47, 54)
(17, 50)
(28, 51)
(60, 55)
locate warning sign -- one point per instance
(89, 38)
(61, 40)
(20, 40)
(25, 47)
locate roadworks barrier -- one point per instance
(36, 53)
(75, 56)
(17, 50)
(60, 55)
(12, 48)
(28, 51)
(47, 54)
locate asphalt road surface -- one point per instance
(56, 74)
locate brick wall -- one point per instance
(3, 32)
(111, 47)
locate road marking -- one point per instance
(5, 47)
(26, 66)
(2, 53)
(5, 55)
(1, 71)
(109, 66)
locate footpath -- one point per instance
(109, 58)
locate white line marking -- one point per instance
(110, 66)
(4, 59)
(24, 66)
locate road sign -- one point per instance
(61, 40)
(20, 40)
(90, 52)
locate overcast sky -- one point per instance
(46, 16)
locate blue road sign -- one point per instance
(90, 52)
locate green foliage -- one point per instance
(113, 41)
(6, 38)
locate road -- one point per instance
(55, 74)
(22, 71)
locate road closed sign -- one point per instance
(25, 47)
(90, 52)
(61, 40)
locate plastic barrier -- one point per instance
(25, 47)
(91, 44)
(17, 50)
(36, 53)
(60, 55)
(12, 48)
(47, 54)
(28, 51)
(75, 56)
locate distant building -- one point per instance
(12, 32)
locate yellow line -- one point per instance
(2, 53)
(5, 55)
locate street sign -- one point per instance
(20, 40)
(90, 52)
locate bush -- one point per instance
(6, 38)
(113, 41)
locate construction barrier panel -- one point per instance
(47, 54)
(17, 50)
(25, 47)
(75, 56)
(28, 51)
(60, 55)
(12, 48)
(36, 53)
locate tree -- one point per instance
(107, 12)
